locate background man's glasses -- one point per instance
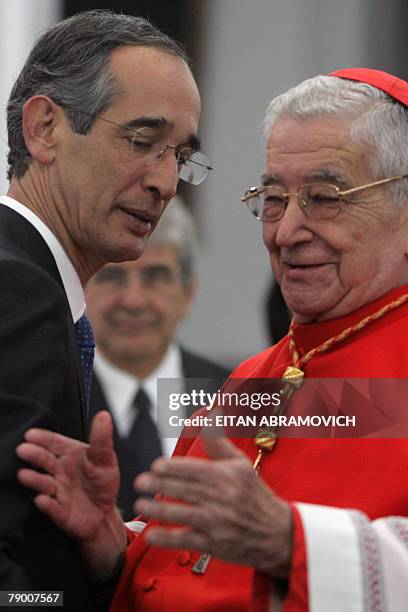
(317, 200)
(155, 277)
(193, 166)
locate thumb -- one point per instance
(101, 438)
(221, 448)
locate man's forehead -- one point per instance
(146, 93)
(323, 135)
(131, 59)
(313, 149)
(295, 132)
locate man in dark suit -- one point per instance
(136, 308)
(95, 156)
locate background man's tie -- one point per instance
(136, 451)
(144, 436)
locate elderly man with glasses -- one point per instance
(270, 522)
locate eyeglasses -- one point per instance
(193, 166)
(155, 277)
(319, 201)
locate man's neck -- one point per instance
(32, 194)
(141, 368)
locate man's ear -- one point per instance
(40, 114)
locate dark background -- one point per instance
(177, 18)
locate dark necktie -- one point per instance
(136, 452)
(86, 345)
(143, 436)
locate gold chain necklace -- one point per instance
(293, 376)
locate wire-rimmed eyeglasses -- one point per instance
(317, 200)
(193, 166)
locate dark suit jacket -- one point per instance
(40, 386)
(194, 367)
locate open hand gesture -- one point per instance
(78, 489)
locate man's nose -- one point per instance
(133, 294)
(162, 175)
(293, 227)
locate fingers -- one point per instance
(54, 442)
(181, 538)
(179, 514)
(190, 469)
(51, 508)
(101, 439)
(202, 470)
(41, 483)
(37, 455)
(171, 487)
(47, 488)
(221, 448)
(195, 480)
(43, 447)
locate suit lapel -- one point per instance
(18, 236)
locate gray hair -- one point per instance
(177, 227)
(377, 121)
(70, 64)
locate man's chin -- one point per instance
(135, 351)
(310, 303)
(130, 250)
(306, 310)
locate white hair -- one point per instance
(177, 227)
(377, 121)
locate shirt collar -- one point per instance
(169, 367)
(120, 387)
(69, 276)
(117, 381)
(310, 335)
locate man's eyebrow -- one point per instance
(159, 123)
(328, 176)
(155, 266)
(270, 179)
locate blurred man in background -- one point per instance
(136, 308)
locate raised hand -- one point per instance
(229, 512)
(78, 489)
